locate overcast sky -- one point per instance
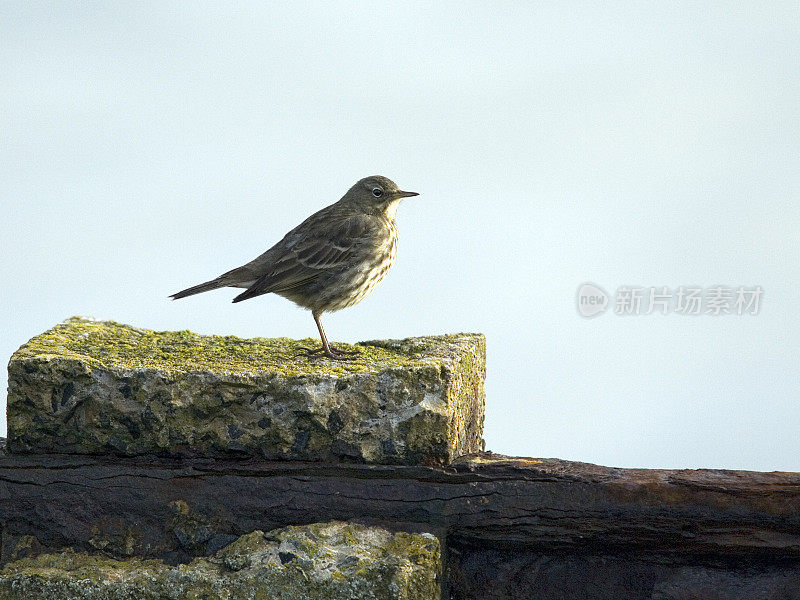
(146, 147)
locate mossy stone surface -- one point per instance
(93, 387)
(323, 561)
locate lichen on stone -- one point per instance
(322, 561)
(108, 344)
(95, 387)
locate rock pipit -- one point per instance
(332, 260)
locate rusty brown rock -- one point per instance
(510, 524)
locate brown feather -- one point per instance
(332, 242)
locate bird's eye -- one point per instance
(377, 192)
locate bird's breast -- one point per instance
(361, 279)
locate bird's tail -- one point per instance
(197, 289)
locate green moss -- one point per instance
(114, 345)
(323, 565)
(97, 387)
(78, 565)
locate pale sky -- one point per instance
(147, 147)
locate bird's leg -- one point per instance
(327, 349)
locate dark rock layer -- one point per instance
(514, 527)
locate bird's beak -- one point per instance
(402, 194)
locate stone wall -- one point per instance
(177, 494)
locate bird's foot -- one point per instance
(329, 352)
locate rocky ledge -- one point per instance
(94, 387)
(330, 561)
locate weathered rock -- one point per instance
(92, 387)
(515, 528)
(330, 561)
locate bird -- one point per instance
(330, 261)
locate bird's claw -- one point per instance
(331, 352)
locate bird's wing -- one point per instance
(313, 249)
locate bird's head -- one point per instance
(376, 195)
